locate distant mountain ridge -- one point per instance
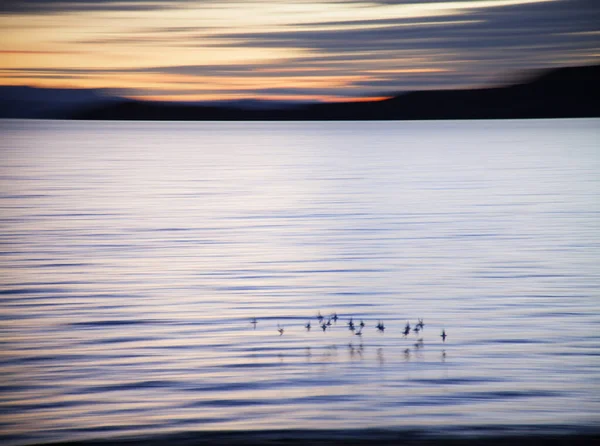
(31, 102)
(558, 93)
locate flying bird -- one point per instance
(406, 331)
(351, 324)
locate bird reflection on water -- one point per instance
(356, 352)
(380, 357)
(329, 355)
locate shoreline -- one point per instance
(499, 436)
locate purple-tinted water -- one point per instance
(135, 255)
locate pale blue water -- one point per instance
(134, 256)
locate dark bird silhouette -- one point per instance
(254, 322)
(406, 331)
(417, 329)
(280, 330)
(362, 324)
(359, 332)
(334, 317)
(320, 317)
(351, 324)
(307, 326)
(324, 327)
(443, 335)
(420, 324)
(380, 326)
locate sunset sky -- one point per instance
(288, 49)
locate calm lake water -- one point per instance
(134, 256)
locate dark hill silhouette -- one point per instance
(559, 93)
(32, 102)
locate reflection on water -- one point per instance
(147, 267)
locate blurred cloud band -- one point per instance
(311, 49)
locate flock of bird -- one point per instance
(356, 328)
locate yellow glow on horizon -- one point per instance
(168, 83)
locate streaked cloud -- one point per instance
(303, 48)
(60, 6)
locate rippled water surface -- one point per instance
(134, 257)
